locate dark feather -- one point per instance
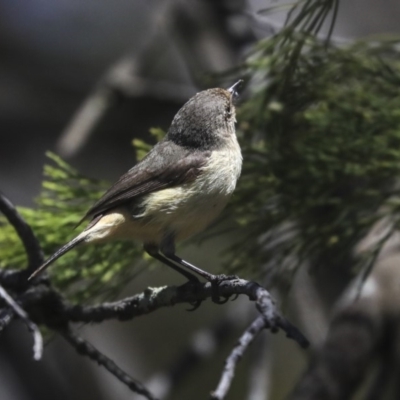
(167, 165)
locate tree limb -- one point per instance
(237, 353)
(153, 298)
(37, 336)
(31, 244)
(85, 348)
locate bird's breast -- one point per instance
(182, 210)
(191, 207)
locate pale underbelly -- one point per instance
(180, 211)
(179, 217)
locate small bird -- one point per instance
(177, 189)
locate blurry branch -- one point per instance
(201, 40)
(364, 329)
(37, 336)
(203, 46)
(32, 247)
(35, 257)
(121, 80)
(340, 365)
(305, 298)
(44, 305)
(86, 349)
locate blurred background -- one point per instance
(57, 57)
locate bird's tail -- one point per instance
(67, 247)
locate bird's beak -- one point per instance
(233, 88)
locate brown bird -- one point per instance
(177, 190)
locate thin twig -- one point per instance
(31, 244)
(260, 371)
(237, 353)
(37, 336)
(85, 348)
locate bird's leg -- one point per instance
(177, 261)
(215, 280)
(167, 251)
(155, 252)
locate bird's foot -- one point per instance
(216, 280)
(194, 305)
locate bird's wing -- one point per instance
(166, 165)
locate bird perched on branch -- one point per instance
(177, 190)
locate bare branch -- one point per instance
(237, 353)
(154, 298)
(85, 348)
(122, 80)
(37, 336)
(32, 247)
(260, 370)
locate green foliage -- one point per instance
(321, 139)
(86, 271)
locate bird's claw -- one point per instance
(215, 282)
(195, 305)
(217, 299)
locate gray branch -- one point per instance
(32, 247)
(236, 355)
(154, 298)
(85, 348)
(37, 336)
